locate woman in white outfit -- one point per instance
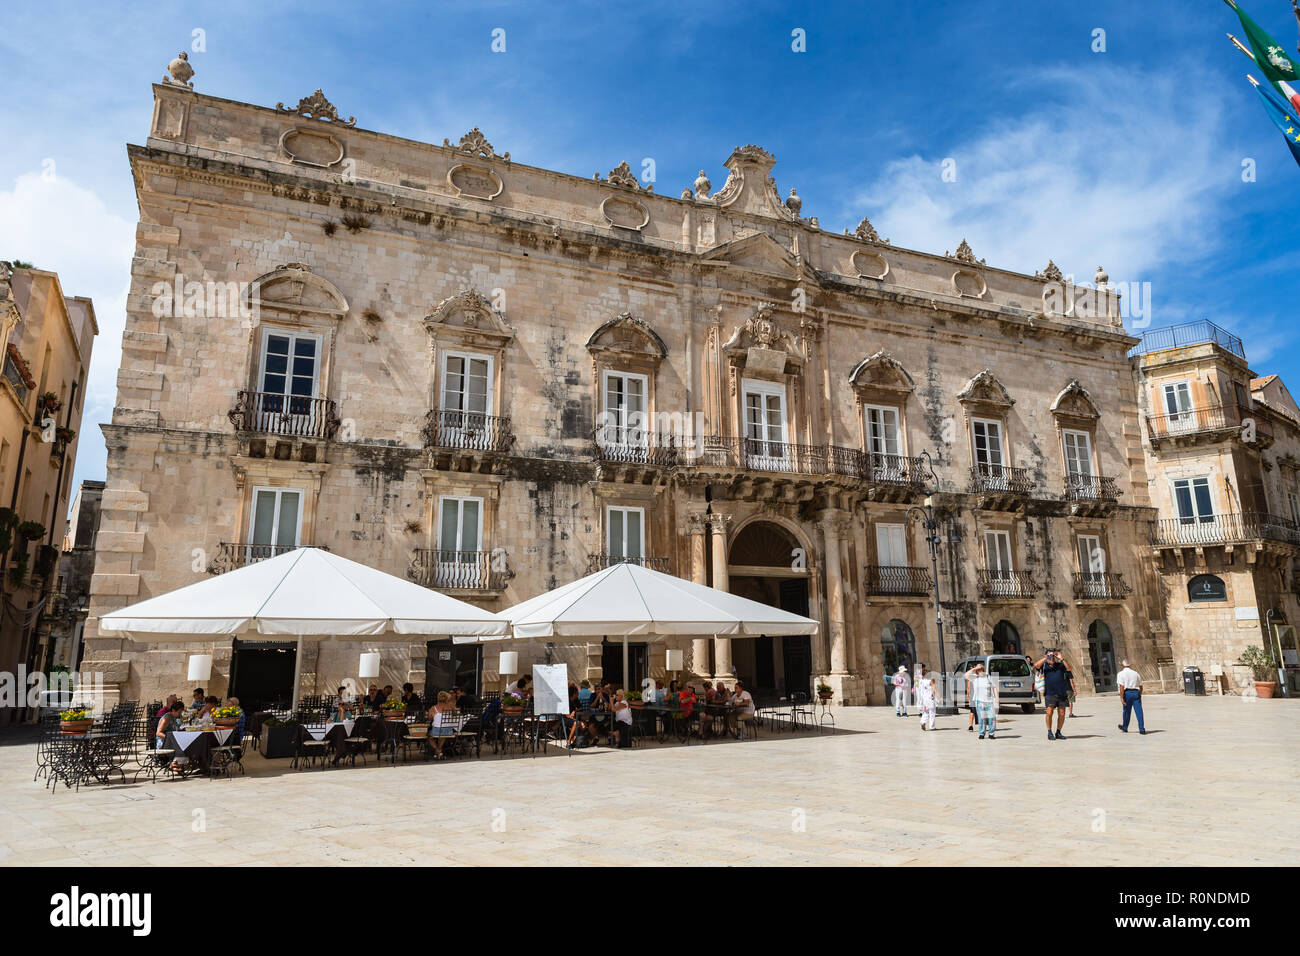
(926, 699)
(902, 689)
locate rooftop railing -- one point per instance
(1204, 332)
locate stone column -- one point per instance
(697, 528)
(832, 530)
(721, 581)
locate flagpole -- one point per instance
(1240, 46)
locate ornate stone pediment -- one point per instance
(750, 188)
(469, 316)
(622, 175)
(1073, 401)
(985, 389)
(760, 344)
(627, 340)
(474, 143)
(867, 233)
(293, 288)
(965, 253)
(1052, 273)
(317, 107)
(881, 372)
(760, 252)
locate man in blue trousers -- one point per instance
(1130, 688)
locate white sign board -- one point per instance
(550, 688)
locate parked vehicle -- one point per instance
(1014, 676)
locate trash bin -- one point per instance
(1193, 681)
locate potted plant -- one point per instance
(394, 709)
(824, 691)
(75, 721)
(633, 698)
(225, 717)
(511, 703)
(1262, 667)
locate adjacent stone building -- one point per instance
(48, 340)
(495, 378)
(1223, 451)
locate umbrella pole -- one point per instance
(297, 673)
(625, 678)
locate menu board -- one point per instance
(550, 688)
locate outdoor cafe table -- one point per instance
(337, 733)
(196, 745)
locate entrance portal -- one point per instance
(766, 567)
(1006, 639)
(261, 674)
(611, 663)
(1101, 653)
(897, 649)
(451, 665)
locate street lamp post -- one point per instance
(926, 516)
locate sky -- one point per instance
(1014, 124)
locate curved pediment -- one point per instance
(1073, 401)
(985, 389)
(469, 315)
(295, 288)
(626, 335)
(881, 371)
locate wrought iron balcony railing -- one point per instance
(599, 562)
(897, 580)
(1224, 529)
(1188, 334)
(1100, 586)
(1090, 488)
(1206, 420)
(459, 570)
(468, 431)
(15, 378)
(1005, 584)
(294, 416)
(624, 445)
(239, 554)
(1001, 479)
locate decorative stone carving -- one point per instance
(793, 202)
(179, 71)
(867, 233)
(985, 389)
(702, 186)
(1101, 278)
(475, 181)
(621, 175)
(317, 107)
(627, 339)
(311, 147)
(475, 144)
(964, 253)
(761, 325)
(1050, 274)
(969, 284)
(761, 345)
(881, 372)
(625, 213)
(870, 265)
(468, 316)
(1075, 402)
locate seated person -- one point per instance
(414, 706)
(387, 693)
(464, 700)
(519, 688)
(167, 705)
(170, 722)
(243, 721)
(342, 711)
(204, 713)
(621, 728)
(744, 702)
(198, 701)
(584, 692)
(374, 699)
(440, 726)
(686, 702)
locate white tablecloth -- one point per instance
(186, 737)
(319, 731)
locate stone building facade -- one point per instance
(1223, 449)
(48, 340)
(495, 378)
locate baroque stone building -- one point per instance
(495, 378)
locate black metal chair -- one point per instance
(307, 749)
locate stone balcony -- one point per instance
(1100, 586)
(1001, 487)
(286, 427)
(458, 440)
(599, 562)
(897, 581)
(1091, 495)
(995, 585)
(473, 572)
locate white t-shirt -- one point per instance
(1129, 679)
(744, 701)
(981, 688)
(925, 692)
(622, 712)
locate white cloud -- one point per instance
(1116, 167)
(60, 226)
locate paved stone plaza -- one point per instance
(1213, 784)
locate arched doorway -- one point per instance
(897, 648)
(1006, 639)
(764, 567)
(1101, 655)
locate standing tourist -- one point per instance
(1058, 682)
(926, 698)
(1130, 688)
(983, 690)
(902, 687)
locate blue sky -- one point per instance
(1129, 158)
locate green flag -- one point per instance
(1270, 56)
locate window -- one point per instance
(987, 437)
(997, 561)
(460, 525)
(882, 431)
(625, 533)
(466, 385)
(1291, 500)
(1092, 559)
(1192, 499)
(1078, 454)
(765, 438)
(287, 383)
(891, 546)
(624, 419)
(1178, 404)
(1207, 587)
(276, 522)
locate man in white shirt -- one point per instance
(1130, 689)
(744, 702)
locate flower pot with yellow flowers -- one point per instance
(75, 722)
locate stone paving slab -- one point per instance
(878, 792)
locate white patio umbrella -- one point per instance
(305, 593)
(628, 600)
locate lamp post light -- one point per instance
(930, 522)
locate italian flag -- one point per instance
(1271, 57)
